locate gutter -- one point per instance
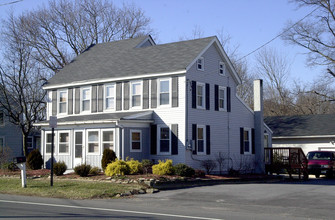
(42, 124)
(311, 136)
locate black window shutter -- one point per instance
(228, 100)
(207, 97)
(174, 132)
(101, 98)
(175, 91)
(70, 105)
(154, 93)
(216, 97)
(241, 141)
(145, 94)
(194, 138)
(194, 94)
(54, 102)
(118, 96)
(153, 136)
(208, 139)
(94, 99)
(77, 101)
(126, 96)
(253, 140)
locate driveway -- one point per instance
(313, 199)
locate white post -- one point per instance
(22, 167)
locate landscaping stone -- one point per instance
(109, 178)
(152, 190)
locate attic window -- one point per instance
(222, 68)
(200, 64)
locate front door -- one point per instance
(78, 148)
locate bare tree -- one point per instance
(21, 96)
(64, 29)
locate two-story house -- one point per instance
(145, 101)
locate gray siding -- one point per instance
(145, 153)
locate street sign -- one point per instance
(53, 122)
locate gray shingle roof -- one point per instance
(303, 125)
(123, 59)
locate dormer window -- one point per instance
(62, 101)
(85, 99)
(222, 68)
(200, 64)
(136, 88)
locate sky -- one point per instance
(249, 23)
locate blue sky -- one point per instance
(249, 23)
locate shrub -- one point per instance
(118, 167)
(183, 170)
(34, 160)
(147, 166)
(135, 166)
(108, 156)
(233, 172)
(94, 171)
(59, 168)
(208, 165)
(82, 170)
(199, 173)
(163, 168)
(10, 166)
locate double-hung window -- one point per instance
(200, 95)
(93, 141)
(135, 141)
(2, 118)
(30, 142)
(200, 64)
(108, 139)
(222, 98)
(136, 91)
(164, 137)
(110, 97)
(247, 140)
(63, 142)
(86, 99)
(48, 143)
(222, 68)
(201, 139)
(164, 92)
(62, 102)
(2, 144)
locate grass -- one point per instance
(69, 189)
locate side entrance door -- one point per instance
(78, 148)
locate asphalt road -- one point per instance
(314, 199)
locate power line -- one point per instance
(278, 34)
(9, 3)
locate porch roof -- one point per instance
(143, 117)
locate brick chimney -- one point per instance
(259, 126)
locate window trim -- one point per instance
(159, 139)
(204, 139)
(81, 99)
(66, 103)
(250, 141)
(102, 140)
(202, 64)
(223, 68)
(55, 142)
(32, 142)
(203, 106)
(3, 118)
(159, 93)
(105, 97)
(131, 140)
(131, 94)
(225, 98)
(87, 142)
(58, 141)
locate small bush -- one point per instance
(163, 168)
(118, 167)
(199, 173)
(35, 160)
(10, 166)
(59, 168)
(147, 166)
(82, 170)
(94, 171)
(233, 172)
(183, 170)
(135, 166)
(108, 156)
(208, 165)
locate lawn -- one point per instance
(64, 188)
